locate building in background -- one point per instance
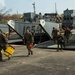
(50, 16)
(28, 17)
(69, 18)
(54, 17)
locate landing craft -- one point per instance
(42, 29)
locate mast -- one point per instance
(55, 8)
(34, 8)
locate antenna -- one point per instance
(34, 8)
(55, 8)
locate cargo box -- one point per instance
(9, 51)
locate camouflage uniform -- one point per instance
(67, 34)
(60, 41)
(28, 39)
(54, 34)
(3, 44)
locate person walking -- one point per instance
(67, 33)
(28, 40)
(3, 44)
(54, 34)
(60, 41)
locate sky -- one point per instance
(43, 6)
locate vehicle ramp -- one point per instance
(50, 45)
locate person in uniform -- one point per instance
(28, 40)
(54, 34)
(67, 33)
(60, 41)
(3, 44)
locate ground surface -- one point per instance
(42, 62)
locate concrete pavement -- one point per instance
(42, 62)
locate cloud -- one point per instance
(2, 2)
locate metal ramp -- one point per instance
(49, 44)
(15, 41)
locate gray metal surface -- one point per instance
(4, 27)
(50, 44)
(15, 41)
